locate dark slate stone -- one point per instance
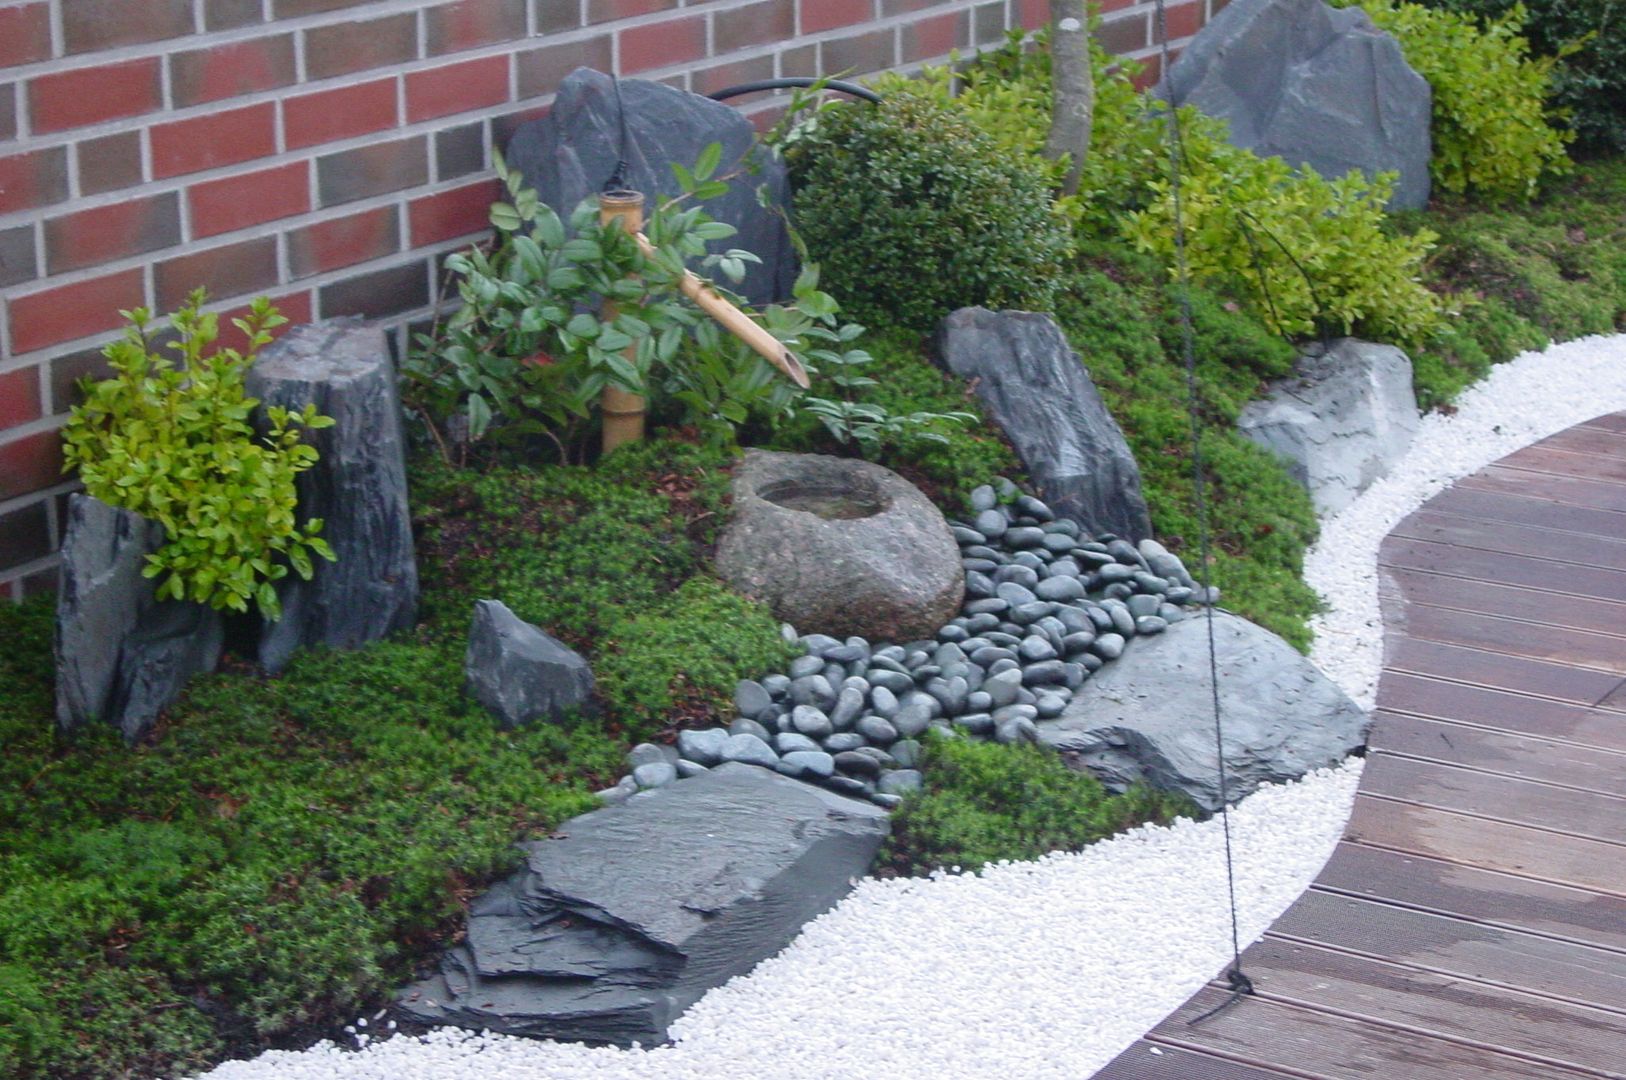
(1037, 389)
(632, 912)
(520, 673)
(570, 153)
(358, 489)
(883, 566)
(1310, 84)
(1148, 716)
(121, 656)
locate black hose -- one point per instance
(837, 85)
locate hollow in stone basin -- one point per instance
(830, 502)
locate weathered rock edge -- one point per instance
(631, 913)
(894, 575)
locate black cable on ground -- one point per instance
(797, 83)
(1238, 981)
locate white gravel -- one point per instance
(1048, 968)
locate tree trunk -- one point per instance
(1072, 95)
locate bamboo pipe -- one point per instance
(735, 321)
(623, 412)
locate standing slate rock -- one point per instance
(1300, 80)
(1037, 389)
(520, 673)
(121, 655)
(1345, 416)
(358, 489)
(570, 153)
(840, 547)
(631, 913)
(1148, 716)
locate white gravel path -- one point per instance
(1048, 968)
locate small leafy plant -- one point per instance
(1493, 135)
(175, 442)
(531, 349)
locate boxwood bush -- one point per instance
(912, 211)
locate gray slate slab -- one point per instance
(1343, 418)
(1312, 85)
(358, 489)
(121, 656)
(1148, 716)
(570, 153)
(1036, 388)
(630, 913)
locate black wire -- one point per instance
(618, 178)
(1239, 983)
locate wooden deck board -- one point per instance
(1472, 922)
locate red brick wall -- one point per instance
(328, 153)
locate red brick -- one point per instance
(721, 76)
(25, 535)
(213, 139)
(1183, 21)
(756, 24)
(461, 211)
(116, 231)
(93, 95)
(455, 88)
(249, 266)
(295, 307)
(472, 23)
(89, 25)
(37, 178)
(339, 114)
(542, 70)
(287, 9)
(906, 7)
(934, 36)
(25, 34)
(1151, 68)
(66, 312)
(1032, 14)
(230, 14)
(30, 463)
(346, 241)
(988, 23)
(347, 47)
(236, 202)
(609, 10)
(378, 294)
(224, 71)
(504, 126)
(109, 163)
(8, 111)
(373, 168)
(1108, 6)
(19, 397)
(554, 17)
(859, 54)
(655, 45)
(829, 14)
(1123, 35)
(17, 254)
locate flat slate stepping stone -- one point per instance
(632, 912)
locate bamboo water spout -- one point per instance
(624, 412)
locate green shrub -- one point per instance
(1311, 257)
(1492, 138)
(280, 858)
(176, 443)
(1588, 38)
(983, 802)
(677, 663)
(912, 212)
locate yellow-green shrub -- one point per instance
(1492, 132)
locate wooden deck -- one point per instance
(1472, 923)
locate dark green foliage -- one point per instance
(1260, 520)
(1590, 82)
(983, 803)
(599, 557)
(912, 212)
(676, 664)
(278, 858)
(907, 382)
(1552, 271)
